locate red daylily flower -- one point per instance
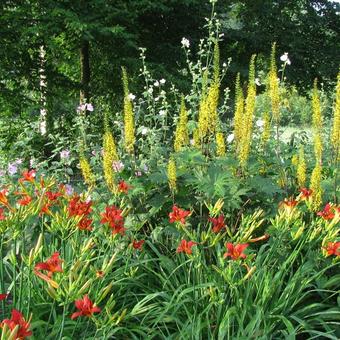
(289, 203)
(185, 246)
(333, 248)
(28, 176)
(178, 215)
(113, 216)
(77, 207)
(3, 297)
(327, 213)
(2, 215)
(17, 319)
(218, 223)
(306, 193)
(85, 307)
(45, 209)
(85, 224)
(52, 265)
(137, 244)
(3, 197)
(25, 200)
(236, 252)
(53, 196)
(123, 187)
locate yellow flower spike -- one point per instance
(274, 87)
(266, 128)
(220, 144)
(335, 137)
(315, 185)
(172, 175)
(247, 127)
(317, 122)
(182, 133)
(239, 110)
(86, 171)
(301, 168)
(129, 120)
(110, 155)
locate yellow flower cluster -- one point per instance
(86, 171)
(301, 168)
(266, 128)
(247, 128)
(335, 138)
(315, 185)
(110, 155)
(182, 133)
(129, 124)
(220, 144)
(172, 175)
(239, 110)
(274, 87)
(208, 115)
(317, 122)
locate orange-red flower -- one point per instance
(77, 207)
(333, 248)
(178, 215)
(218, 223)
(85, 307)
(306, 193)
(25, 200)
(236, 252)
(123, 187)
(53, 196)
(45, 209)
(85, 224)
(113, 216)
(3, 197)
(52, 265)
(327, 213)
(185, 246)
(137, 244)
(289, 203)
(17, 319)
(28, 176)
(3, 297)
(2, 215)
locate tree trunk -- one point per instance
(85, 72)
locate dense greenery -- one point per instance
(169, 193)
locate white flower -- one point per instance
(89, 107)
(156, 83)
(131, 96)
(230, 138)
(185, 42)
(259, 122)
(117, 166)
(64, 154)
(285, 58)
(224, 65)
(257, 82)
(162, 81)
(156, 99)
(144, 130)
(162, 112)
(150, 90)
(192, 142)
(43, 127)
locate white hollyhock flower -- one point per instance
(259, 122)
(156, 83)
(285, 58)
(144, 130)
(162, 81)
(162, 112)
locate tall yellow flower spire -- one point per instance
(274, 87)
(248, 116)
(301, 168)
(317, 122)
(335, 137)
(182, 134)
(172, 175)
(129, 124)
(239, 110)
